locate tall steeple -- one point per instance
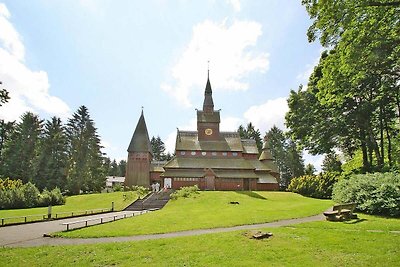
(139, 156)
(208, 104)
(140, 141)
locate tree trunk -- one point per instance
(366, 165)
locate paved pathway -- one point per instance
(18, 235)
(32, 234)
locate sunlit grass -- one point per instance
(309, 244)
(78, 203)
(210, 210)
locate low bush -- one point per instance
(317, 186)
(15, 195)
(377, 193)
(186, 191)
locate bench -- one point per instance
(341, 212)
(100, 220)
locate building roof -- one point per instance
(249, 146)
(188, 173)
(140, 141)
(188, 140)
(211, 163)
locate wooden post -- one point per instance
(49, 212)
(112, 206)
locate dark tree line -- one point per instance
(158, 149)
(114, 168)
(52, 154)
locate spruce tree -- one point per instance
(21, 149)
(85, 170)
(51, 163)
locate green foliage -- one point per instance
(4, 97)
(85, 171)
(250, 132)
(332, 163)
(141, 191)
(20, 151)
(317, 186)
(15, 195)
(185, 192)
(377, 193)
(352, 99)
(287, 155)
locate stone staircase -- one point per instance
(152, 201)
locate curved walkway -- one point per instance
(27, 239)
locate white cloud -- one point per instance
(29, 90)
(235, 4)
(266, 115)
(229, 50)
(230, 124)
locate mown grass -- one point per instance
(211, 210)
(308, 244)
(78, 203)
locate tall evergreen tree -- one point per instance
(4, 97)
(85, 167)
(331, 163)
(287, 156)
(309, 169)
(122, 168)
(114, 168)
(21, 149)
(158, 148)
(51, 163)
(250, 132)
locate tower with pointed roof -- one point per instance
(208, 119)
(139, 156)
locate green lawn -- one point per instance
(308, 244)
(77, 203)
(210, 210)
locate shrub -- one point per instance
(186, 191)
(317, 186)
(15, 195)
(377, 193)
(140, 190)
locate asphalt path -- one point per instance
(31, 235)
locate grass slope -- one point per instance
(211, 210)
(309, 244)
(78, 203)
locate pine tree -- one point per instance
(251, 133)
(286, 155)
(122, 168)
(85, 167)
(113, 168)
(158, 148)
(332, 163)
(21, 149)
(51, 163)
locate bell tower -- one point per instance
(208, 119)
(139, 156)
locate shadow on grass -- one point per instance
(355, 221)
(251, 194)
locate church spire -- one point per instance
(140, 141)
(208, 104)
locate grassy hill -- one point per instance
(210, 210)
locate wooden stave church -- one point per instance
(208, 158)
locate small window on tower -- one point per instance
(193, 153)
(183, 153)
(204, 153)
(234, 154)
(224, 154)
(214, 153)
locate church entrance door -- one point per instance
(167, 182)
(246, 186)
(210, 183)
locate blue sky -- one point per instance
(116, 56)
